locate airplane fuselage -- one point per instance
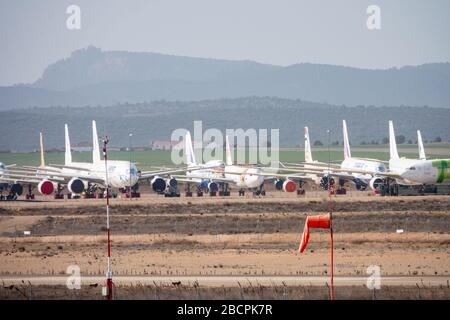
(360, 164)
(244, 177)
(241, 176)
(422, 171)
(120, 173)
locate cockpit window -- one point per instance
(412, 168)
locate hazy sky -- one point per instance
(33, 34)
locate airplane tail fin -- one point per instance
(392, 143)
(68, 154)
(422, 155)
(190, 156)
(228, 152)
(95, 145)
(347, 152)
(41, 146)
(308, 153)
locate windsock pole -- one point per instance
(109, 271)
(330, 209)
(331, 258)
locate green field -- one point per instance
(146, 159)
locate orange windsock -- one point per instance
(321, 221)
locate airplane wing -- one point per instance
(344, 172)
(311, 164)
(57, 176)
(63, 166)
(150, 174)
(269, 175)
(198, 179)
(15, 180)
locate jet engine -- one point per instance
(158, 184)
(289, 186)
(213, 187)
(17, 188)
(375, 183)
(76, 185)
(46, 187)
(278, 184)
(172, 183)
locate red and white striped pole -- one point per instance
(109, 271)
(330, 209)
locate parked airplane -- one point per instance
(408, 171)
(416, 171)
(218, 175)
(84, 176)
(32, 178)
(324, 174)
(81, 175)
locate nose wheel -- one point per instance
(301, 191)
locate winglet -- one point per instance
(68, 154)
(308, 153)
(41, 146)
(392, 143)
(95, 145)
(228, 152)
(422, 155)
(190, 156)
(347, 152)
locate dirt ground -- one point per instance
(404, 236)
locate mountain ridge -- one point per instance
(91, 76)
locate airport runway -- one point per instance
(230, 281)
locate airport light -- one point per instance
(109, 270)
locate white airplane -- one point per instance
(216, 173)
(44, 183)
(362, 181)
(288, 182)
(85, 176)
(322, 173)
(80, 175)
(408, 171)
(416, 171)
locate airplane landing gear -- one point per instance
(58, 193)
(341, 189)
(224, 190)
(301, 190)
(172, 191)
(30, 195)
(90, 192)
(187, 190)
(241, 192)
(133, 192)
